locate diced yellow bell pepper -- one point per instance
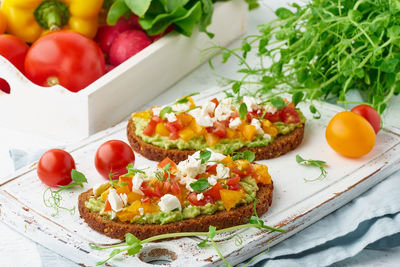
(186, 119)
(231, 134)
(198, 129)
(211, 139)
(128, 213)
(261, 174)
(191, 101)
(231, 197)
(269, 128)
(132, 197)
(104, 195)
(249, 132)
(142, 114)
(123, 189)
(186, 133)
(161, 129)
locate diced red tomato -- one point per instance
(214, 192)
(151, 127)
(215, 101)
(218, 129)
(234, 187)
(149, 191)
(175, 189)
(212, 168)
(192, 197)
(174, 128)
(107, 207)
(289, 115)
(252, 114)
(145, 200)
(166, 187)
(243, 173)
(272, 117)
(165, 161)
(232, 181)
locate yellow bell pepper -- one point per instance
(249, 132)
(186, 134)
(161, 129)
(3, 22)
(230, 198)
(261, 174)
(30, 19)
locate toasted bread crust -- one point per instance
(281, 145)
(221, 219)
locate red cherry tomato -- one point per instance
(55, 166)
(66, 58)
(214, 192)
(192, 197)
(370, 114)
(113, 156)
(289, 115)
(14, 50)
(232, 181)
(272, 117)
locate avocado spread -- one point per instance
(249, 184)
(225, 146)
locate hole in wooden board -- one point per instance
(157, 255)
(4, 86)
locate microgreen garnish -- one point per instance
(185, 99)
(200, 185)
(133, 245)
(205, 156)
(247, 155)
(243, 111)
(111, 180)
(165, 111)
(313, 163)
(278, 102)
(55, 198)
(160, 175)
(132, 171)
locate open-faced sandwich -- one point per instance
(206, 189)
(227, 125)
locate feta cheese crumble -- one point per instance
(222, 171)
(200, 196)
(257, 124)
(171, 117)
(224, 110)
(169, 202)
(235, 123)
(137, 181)
(250, 102)
(115, 200)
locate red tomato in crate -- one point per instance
(14, 50)
(112, 157)
(370, 114)
(66, 58)
(55, 166)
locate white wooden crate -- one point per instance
(59, 113)
(296, 204)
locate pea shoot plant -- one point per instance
(133, 245)
(313, 163)
(322, 50)
(183, 100)
(53, 198)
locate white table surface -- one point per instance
(16, 250)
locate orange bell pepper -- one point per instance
(261, 174)
(231, 197)
(249, 132)
(198, 129)
(186, 133)
(211, 139)
(161, 129)
(185, 119)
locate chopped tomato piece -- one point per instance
(215, 101)
(214, 192)
(107, 207)
(166, 187)
(289, 115)
(291, 105)
(149, 191)
(212, 168)
(175, 189)
(151, 127)
(232, 181)
(145, 200)
(253, 114)
(272, 117)
(218, 129)
(234, 187)
(165, 161)
(192, 197)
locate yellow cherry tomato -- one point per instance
(3, 23)
(350, 135)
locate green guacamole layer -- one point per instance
(249, 184)
(225, 146)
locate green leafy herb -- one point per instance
(247, 155)
(324, 49)
(133, 245)
(54, 200)
(165, 111)
(205, 156)
(313, 163)
(243, 111)
(278, 102)
(200, 185)
(155, 16)
(131, 171)
(185, 99)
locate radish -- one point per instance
(106, 33)
(126, 45)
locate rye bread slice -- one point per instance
(281, 145)
(220, 219)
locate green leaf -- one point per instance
(165, 111)
(200, 185)
(117, 10)
(134, 249)
(246, 155)
(297, 98)
(355, 15)
(278, 102)
(389, 65)
(236, 87)
(138, 7)
(185, 99)
(130, 239)
(78, 177)
(115, 252)
(186, 24)
(211, 231)
(203, 243)
(205, 156)
(283, 13)
(208, 9)
(243, 111)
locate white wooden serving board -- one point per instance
(296, 203)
